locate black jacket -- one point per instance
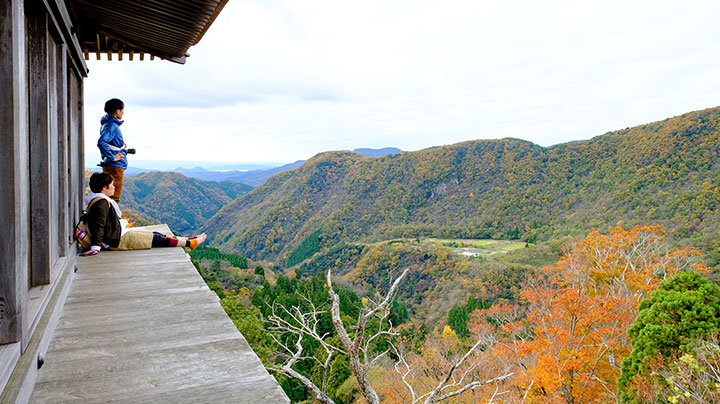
(104, 224)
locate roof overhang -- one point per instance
(164, 29)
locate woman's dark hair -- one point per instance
(113, 105)
(98, 181)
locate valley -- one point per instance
(491, 240)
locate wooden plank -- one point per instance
(65, 228)
(131, 342)
(157, 376)
(9, 355)
(80, 147)
(96, 317)
(39, 297)
(54, 149)
(150, 377)
(75, 146)
(142, 326)
(14, 171)
(40, 149)
(20, 386)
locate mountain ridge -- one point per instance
(663, 172)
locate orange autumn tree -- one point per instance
(569, 346)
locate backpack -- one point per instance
(82, 231)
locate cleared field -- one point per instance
(481, 248)
(478, 247)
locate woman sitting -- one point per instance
(103, 222)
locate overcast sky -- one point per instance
(279, 81)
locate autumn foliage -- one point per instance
(568, 338)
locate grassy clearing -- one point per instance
(478, 247)
(481, 248)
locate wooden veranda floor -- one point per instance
(141, 327)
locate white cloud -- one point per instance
(283, 80)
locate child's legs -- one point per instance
(161, 240)
(117, 174)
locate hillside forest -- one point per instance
(486, 271)
(182, 203)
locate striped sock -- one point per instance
(172, 240)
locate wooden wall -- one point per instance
(41, 157)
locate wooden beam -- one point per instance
(65, 228)
(14, 171)
(60, 17)
(54, 150)
(40, 149)
(76, 158)
(97, 50)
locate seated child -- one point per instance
(103, 222)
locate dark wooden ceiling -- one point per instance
(134, 28)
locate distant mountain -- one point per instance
(664, 173)
(258, 177)
(170, 165)
(130, 171)
(378, 152)
(253, 177)
(181, 202)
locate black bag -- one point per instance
(82, 231)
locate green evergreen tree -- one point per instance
(459, 315)
(683, 309)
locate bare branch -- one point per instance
(469, 386)
(450, 374)
(335, 311)
(390, 295)
(404, 374)
(288, 371)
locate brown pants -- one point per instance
(117, 174)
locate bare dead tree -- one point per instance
(359, 348)
(456, 380)
(301, 323)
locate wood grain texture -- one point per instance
(142, 326)
(40, 149)
(14, 172)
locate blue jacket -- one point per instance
(111, 141)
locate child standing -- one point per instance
(113, 149)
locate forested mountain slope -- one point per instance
(181, 202)
(665, 173)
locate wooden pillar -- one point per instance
(40, 148)
(64, 218)
(75, 144)
(55, 150)
(81, 141)
(14, 171)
